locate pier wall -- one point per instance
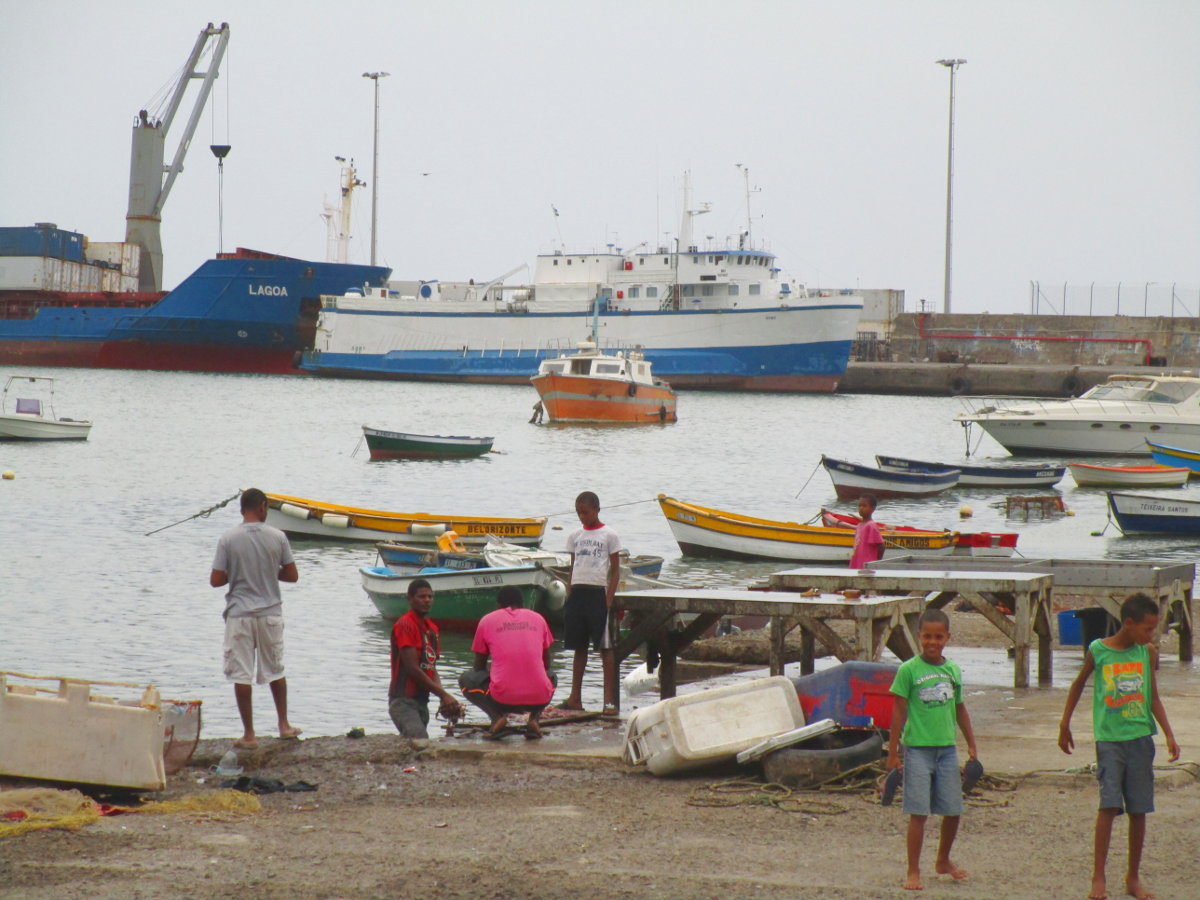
(1045, 340)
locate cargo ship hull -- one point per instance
(241, 312)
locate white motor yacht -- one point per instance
(1113, 419)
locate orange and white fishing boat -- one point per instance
(592, 386)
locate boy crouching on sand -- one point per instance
(1125, 705)
(929, 703)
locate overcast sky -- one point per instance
(1077, 137)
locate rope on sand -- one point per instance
(203, 514)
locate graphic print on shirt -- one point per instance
(939, 693)
(1123, 688)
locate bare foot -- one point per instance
(496, 731)
(913, 883)
(1136, 889)
(1099, 890)
(949, 868)
(289, 733)
(246, 743)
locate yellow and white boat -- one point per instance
(315, 518)
(702, 531)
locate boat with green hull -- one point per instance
(462, 597)
(404, 445)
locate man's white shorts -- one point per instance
(253, 649)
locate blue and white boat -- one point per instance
(1147, 514)
(1174, 456)
(1039, 475)
(852, 480)
(716, 315)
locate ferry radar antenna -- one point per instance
(745, 170)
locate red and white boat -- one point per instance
(593, 387)
(976, 543)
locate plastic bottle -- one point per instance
(228, 764)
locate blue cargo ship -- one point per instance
(246, 311)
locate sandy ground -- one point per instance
(564, 818)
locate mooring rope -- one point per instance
(203, 514)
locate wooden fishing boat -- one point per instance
(1004, 475)
(314, 518)
(404, 445)
(32, 418)
(461, 597)
(852, 480)
(1145, 514)
(1166, 455)
(974, 543)
(501, 554)
(590, 386)
(1088, 475)
(703, 531)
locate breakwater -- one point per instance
(935, 379)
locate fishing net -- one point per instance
(219, 802)
(35, 809)
(181, 732)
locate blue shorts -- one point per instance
(1125, 770)
(932, 782)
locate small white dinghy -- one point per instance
(31, 417)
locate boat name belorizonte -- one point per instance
(270, 290)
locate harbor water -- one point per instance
(87, 592)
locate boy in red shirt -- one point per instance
(415, 647)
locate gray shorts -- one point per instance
(932, 782)
(410, 715)
(1125, 770)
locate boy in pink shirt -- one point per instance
(517, 641)
(868, 540)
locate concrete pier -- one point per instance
(1006, 379)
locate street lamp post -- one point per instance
(375, 76)
(952, 65)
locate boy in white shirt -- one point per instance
(595, 572)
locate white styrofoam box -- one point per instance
(75, 736)
(712, 726)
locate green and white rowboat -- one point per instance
(403, 445)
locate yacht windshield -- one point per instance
(1148, 391)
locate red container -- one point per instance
(856, 694)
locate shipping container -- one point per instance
(43, 239)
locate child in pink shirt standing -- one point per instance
(868, 540)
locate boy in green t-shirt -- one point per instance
(928, 706)
(1125, 705)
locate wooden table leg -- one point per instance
(808, 652)
(1022, 634)
(666, 666)
(1041, 627)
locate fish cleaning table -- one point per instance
(1027, 594)
(879, 621)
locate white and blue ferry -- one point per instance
(718, 316)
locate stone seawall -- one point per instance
(949, 379)
(1083, 341)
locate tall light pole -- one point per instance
(375, 76)
(952, 65)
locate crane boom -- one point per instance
(148, 189)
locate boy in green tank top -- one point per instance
(1125, 706)
(928, 708)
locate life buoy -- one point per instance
(1072, 385)
(959, 385)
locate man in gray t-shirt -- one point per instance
(252, 558)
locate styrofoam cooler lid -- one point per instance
(787, 739)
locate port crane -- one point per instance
(150, 181)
